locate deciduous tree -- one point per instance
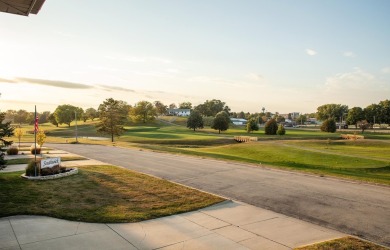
(334, 111)
(112, 116)
(355, 114)
(252, 125)
(66, 114)
(185, 105)
(143, 111)
(91, 113)
(161, 109)
(195, 120)
(221, 122)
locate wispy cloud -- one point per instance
(311, 52)
(386, 70)
(111, 88)
(7, 80)
(141, 59)
(349, 54)
(54, 83)
(254, 77)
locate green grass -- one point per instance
(346, 243)
(278, 155)
(104, 194)
(303, 149)
(27, 160)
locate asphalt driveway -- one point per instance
(350, 207)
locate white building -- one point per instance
(238, 121)
(179, 112)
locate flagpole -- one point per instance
(35, 141)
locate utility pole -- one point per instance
(75, 117)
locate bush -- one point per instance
(30, 169)
(51, 171)
(329, 126)
(33, 151)
(281, 130)
(271, 127)
(12, 151)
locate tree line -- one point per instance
(372, 114)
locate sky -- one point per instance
(286, 56)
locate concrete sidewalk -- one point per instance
(228, 225)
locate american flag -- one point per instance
(36, 124)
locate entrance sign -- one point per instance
(50, 162)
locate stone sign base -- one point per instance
(51, 177)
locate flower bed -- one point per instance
(71, 171)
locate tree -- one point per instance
(335, 111)
(41, 138)
(195, 120)
(185, 105)
(385, 111)
(221, 122)
(5, 131)
(355, 114)
(44, 117)
(301, 119)
(363, 125)
(271, 127)
(53, 120)
(161, 109)
(19, 133)
(21, 116)
(241, 115)
(210, 108)
(172, 106)
(281, 130)
(91, 113)
(143, 111)
(66, 114)
(329, 125)
(113, 114)
(252, 125)
(373, 113)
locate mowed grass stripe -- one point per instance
(104, 194)
(277, 155)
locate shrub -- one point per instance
(271, 127)
(33, 151)
(329, 126)
(12, 151)
(30, 169)
(281, 130)
(252, 125)
(51, 171)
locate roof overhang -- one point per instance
(21, 7)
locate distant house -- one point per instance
(238, 121)
(179, 112)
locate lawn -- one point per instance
(302, 149)
(104, 194)
(280, 155)
(346, 243)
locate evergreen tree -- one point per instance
(5, 131)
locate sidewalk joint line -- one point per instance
(16, 237)
(121, 236)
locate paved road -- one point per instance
(353, 208)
